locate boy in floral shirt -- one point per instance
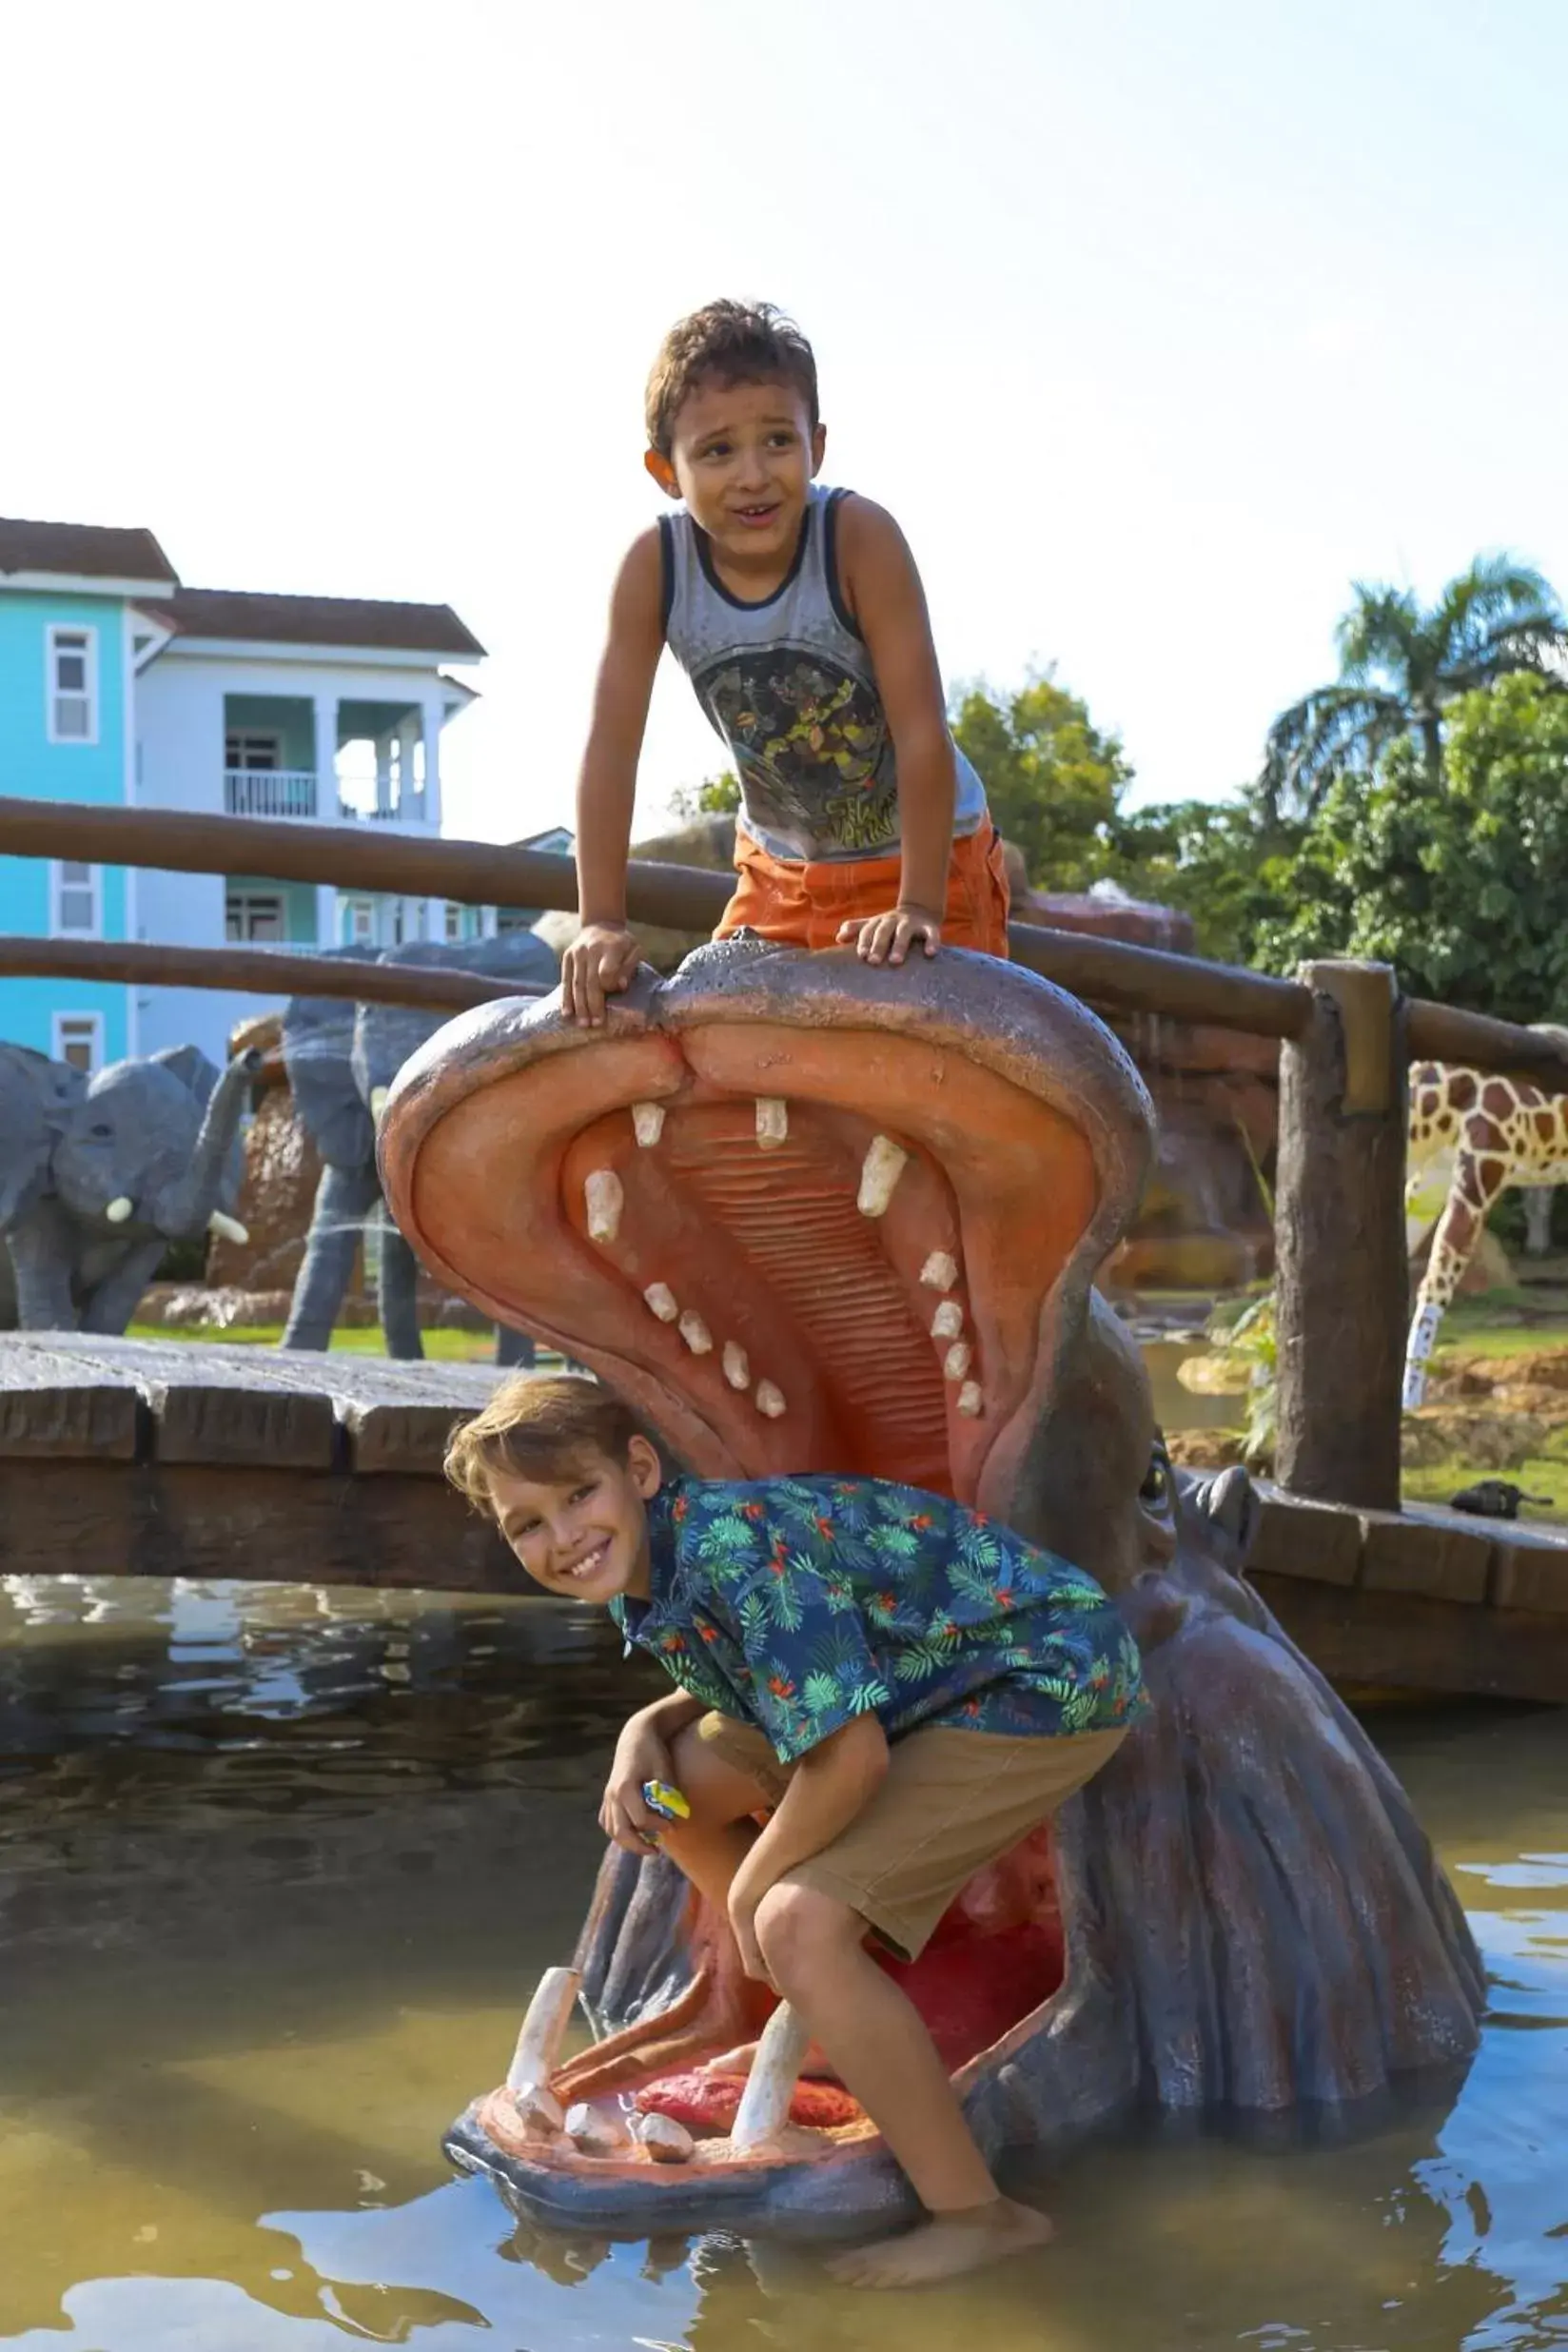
(909, 1686)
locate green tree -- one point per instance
(716, 795)
(1054, 782)
(1401, 667)
(1456, 882)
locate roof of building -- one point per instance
(83, 551)
(318, 620)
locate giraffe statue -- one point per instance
(1471, 1135)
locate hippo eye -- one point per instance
(101, 1130)
(1156, 1486)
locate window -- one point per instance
(79, 1040)
(454, 921)
(361, 923)
(72, 685)
(251, 914)
(247, 748)
(76, 900)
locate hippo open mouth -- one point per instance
(809, 1215)
(804, 1213)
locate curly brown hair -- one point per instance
(540, 1428)
(729, 343)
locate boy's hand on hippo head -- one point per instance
(599, 962)
(888, 938)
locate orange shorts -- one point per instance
(803, 906)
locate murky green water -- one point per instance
(278, 1868)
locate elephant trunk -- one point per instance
(189, 1206)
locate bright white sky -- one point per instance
(1154, 325)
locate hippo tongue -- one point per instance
(803, 1215)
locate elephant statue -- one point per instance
(342, 1060)
(98, 1175)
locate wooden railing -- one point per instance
(1347, 1038)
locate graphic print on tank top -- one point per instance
(810, 744)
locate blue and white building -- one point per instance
(119, 685)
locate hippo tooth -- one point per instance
(540, 2111)
(695, 1333)
(770, 1399)
(772, 1122)
(940, 1271)
(955, 1363)
(884, 1164)
(119, 1210)
(970, 1400)
(737, 1370)
(667, 2142)
(604, 1201)
(543, 2029)
(948, 1321)
(647, 1121)
(660, 1299)
(764, 2107)
(378, 1104)
(227, 1228)
(598, 2130)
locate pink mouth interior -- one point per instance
(996, 1956)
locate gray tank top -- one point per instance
(788, 685)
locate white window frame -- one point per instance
(249, 737)
(91, 1022)
(89, 694)
(246, 902)
(58, 887)
(360, 909)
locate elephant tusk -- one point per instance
(378, 1103)
(230, 1228)
(119, 1210)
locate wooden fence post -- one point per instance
(1342, 1287)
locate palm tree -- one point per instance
(1400, 667)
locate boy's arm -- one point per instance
(882, 588)
(832, 1784)
(604, 955)
(642, 1752)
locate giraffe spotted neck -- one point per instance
(1471, 1135)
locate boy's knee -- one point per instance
(801, 1931)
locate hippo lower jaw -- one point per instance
(816, 2181)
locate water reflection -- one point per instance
(278, 1868)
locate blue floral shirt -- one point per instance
(798, 1603)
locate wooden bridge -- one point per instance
(122, 1457)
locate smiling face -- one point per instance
(583, 1535)
(743, 456)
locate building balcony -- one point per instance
(300, 793)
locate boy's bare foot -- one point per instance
(945, 2246)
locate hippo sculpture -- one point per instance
(808, 1214)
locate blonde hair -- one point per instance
(540, 1426)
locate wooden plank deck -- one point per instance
(148, 1457)
(1423, 1599)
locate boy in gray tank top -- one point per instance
(798, 616)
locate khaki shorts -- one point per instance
(952, 1802)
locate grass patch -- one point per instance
(439, 1346)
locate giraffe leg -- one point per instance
(1482, 1170)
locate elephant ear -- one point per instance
(35, 1099)
(191, 1066)
(318, 1046)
